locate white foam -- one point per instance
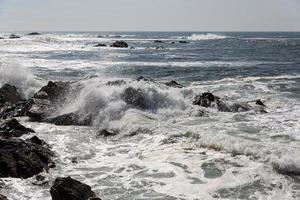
(208, 36)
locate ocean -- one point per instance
(172, 149)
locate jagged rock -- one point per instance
(173, 84)
(66, 188)
(69, 119)
(134, 97)
(13, 36)
(53, 91)
(158, 41)
(3, 197)
(100, 45)
(12, 128)
(120, 44)
(106, 133)
(259, 102)
(34, 33)
(21, 159)
(116, 83)
(36, 140)
(17, 110)
(9, 94)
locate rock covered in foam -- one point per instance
(9, 95)
(12, 128)
(23, 159)
(66, 188)
(134, 97)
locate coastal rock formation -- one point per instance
(134, 97)
(34, 33)
(158, 41)
(173, 84)
(120, 44)
(23, 159)
(69, 119)
(9, 95)
(13, 36)
(12, 128)
(66, 188)
(100, 45)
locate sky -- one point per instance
(149, 15)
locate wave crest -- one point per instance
(208, 36)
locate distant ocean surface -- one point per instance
(174, 149)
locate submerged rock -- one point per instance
(23, 159)
(173, 84)
(69, 119)
(66, 188)
(12, 128)
(120, 44)
(9, 94)
(134, 97)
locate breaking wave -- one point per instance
(208, 36)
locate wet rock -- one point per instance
(21, 159)
(159, 47)
(69, 119)
(34, 33)
(13, 36)
(141, 78)
(67, 188)
(2, 197)
(289, 170)
(16, 110)
(183, 42)
(120, 44)
(259, 102)
(173, 84)
(205, 100)
(158, 41)
(2, 38)
(9, 94)
(36, 140)
(134, 97)
(12, 128)
(100, 36)
(53, 91)
(106, 133)
(100, 45)
(116, 83)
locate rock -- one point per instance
(69, 119)
(17, 110)
(36, 140)
(100, 36)
(141, 78)
(183, 42)
(13, 36)
(120, 44)
(66, 188)
(158, 41)
(34, 33)
(259, 102)
(173, 84)
(12, 128)
(208, 100)
(134, 97)
(106, 133)
(116, 83)
(159, 47)
(3, 197)
(21, 159)
(2, 38)
(40, 109)
(53, 91)
(100, 45)
(9, 94)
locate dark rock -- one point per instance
(22, 159)
(120, 44)
(159, 47)
(100, 45)
(17, 110)
(173, 84)
(141, 78)
(3, 197)
(116, 83)
(34, 33)
(36, 140)
(100, 36)
(158, 41)
(12, 128)
(286, 169)
(67, 188)
(69, 119)
(53, 91)
(259, 102)
(205, 99)
(13, 36)
(2, 38)
(134, 97)
(106, 133)
(183, 42)
(9, 94)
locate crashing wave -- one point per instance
(208, 36)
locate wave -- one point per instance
(23, 79)
(208, 36)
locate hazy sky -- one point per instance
(150, 15)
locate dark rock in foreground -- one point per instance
(69, 119)
(173, 84)
(9, 94)
(134, 97)
(12, 128)
(23, 159)
(70, 189)
(120, 44)
(3, 197)
(34, 33)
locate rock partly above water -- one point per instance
(12, 128)
(120, 44)
(9, 95)
(69, 189)
(23, 159)
(3, 197)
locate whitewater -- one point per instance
(171, 149)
